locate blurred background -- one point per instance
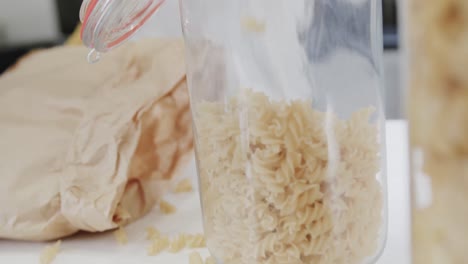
(29, 24)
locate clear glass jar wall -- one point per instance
(289, 126)
(437, 38)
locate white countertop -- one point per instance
(398, 243)
(103, 249)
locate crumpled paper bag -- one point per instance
(90, 147)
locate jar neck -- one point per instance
(109, 23)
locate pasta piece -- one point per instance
(196, 241)
(167, 208)
(210, 260)
(158, 245)
(152, 233)
(121, 236)
(178, 243)
(50, 253)
(253, 25)
(121, 215)
(184, 186)
(195, 258)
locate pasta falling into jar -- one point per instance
(286, 99)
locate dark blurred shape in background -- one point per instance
(390, 24)
(67, 19)
(68, 14)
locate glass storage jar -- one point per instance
(289, 126)
(437, 49)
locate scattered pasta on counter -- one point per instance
(184, 186)
(121, 236)
(195, 258)
(121, 214)
(167, 208)
(158, 245)
(152, 233)
(196, 241)
(50, 253)
(210, 260)
(178, 243)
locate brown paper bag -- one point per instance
(89, 147)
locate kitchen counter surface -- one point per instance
(103, 249)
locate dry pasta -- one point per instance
(121, 236)
(50, 253)
(284, 183)
(152, 233)
(178, 243)
(253, 25)
(196, 241)
(166, 207)
(184, 186)
(195, 258)
(210, 260)
(121, 215)
(158, 245)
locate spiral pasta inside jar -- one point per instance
(284, 183)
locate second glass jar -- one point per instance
(289, 126)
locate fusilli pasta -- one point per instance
(184, 186)
(121, 236)
(50, 253)
(158, 245)
(166, 207)
(195, 258)
(152, 233)
(196, 241)
(284, 183)
(178, 243)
